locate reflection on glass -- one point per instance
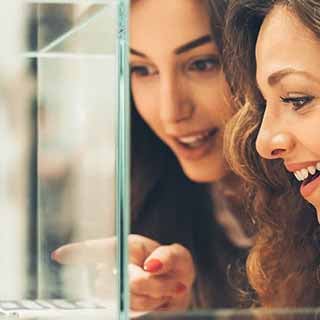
(76, 155)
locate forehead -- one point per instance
(166, 23)
(284, 42)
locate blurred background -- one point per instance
(57, 128)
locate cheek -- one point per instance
(313, 141)
(309, 133)
(223, 100)
(217, 99)
(146, 105)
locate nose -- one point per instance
(274, 139)
(175, 100)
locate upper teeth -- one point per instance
(193, 139)
(304, 173)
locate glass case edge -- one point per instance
(123, 160)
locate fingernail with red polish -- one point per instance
(153, 265)
(181, 288)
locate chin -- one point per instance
(205, 175)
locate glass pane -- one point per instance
(87, 27)
(59, 116)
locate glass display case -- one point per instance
(63, 110)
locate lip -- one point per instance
(196, 153)
(292, 167)
(307, 190)
(179, 135)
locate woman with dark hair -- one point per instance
(186, 203)
(273, 54)
(169, 191)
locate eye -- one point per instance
(142, 71)
(204, 64)
(297, 102)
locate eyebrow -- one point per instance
(277, 76)
(193, 44)
(137, 53)
(182, 49)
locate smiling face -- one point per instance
(177, 83)
(288, 74)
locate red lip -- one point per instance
(292, 167)
(307, 190)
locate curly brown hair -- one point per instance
(283, 266)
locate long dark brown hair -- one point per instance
(168, 207)
(283, 265)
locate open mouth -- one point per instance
(195, 141)
(311, 178)
(309, 174)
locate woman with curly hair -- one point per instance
(273, 55)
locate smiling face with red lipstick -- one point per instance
(288, 75)
(178, 85)
(273, 141)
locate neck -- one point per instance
(227, 196)
(228, 191)
(228, 185)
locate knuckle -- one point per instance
(138, 285)
(136, 246)
(159, 289)
(136, 253)
(133, 238)
(139, 303)
(181, 251)
(185, 258)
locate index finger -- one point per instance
(87, 252)
(100, 250)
